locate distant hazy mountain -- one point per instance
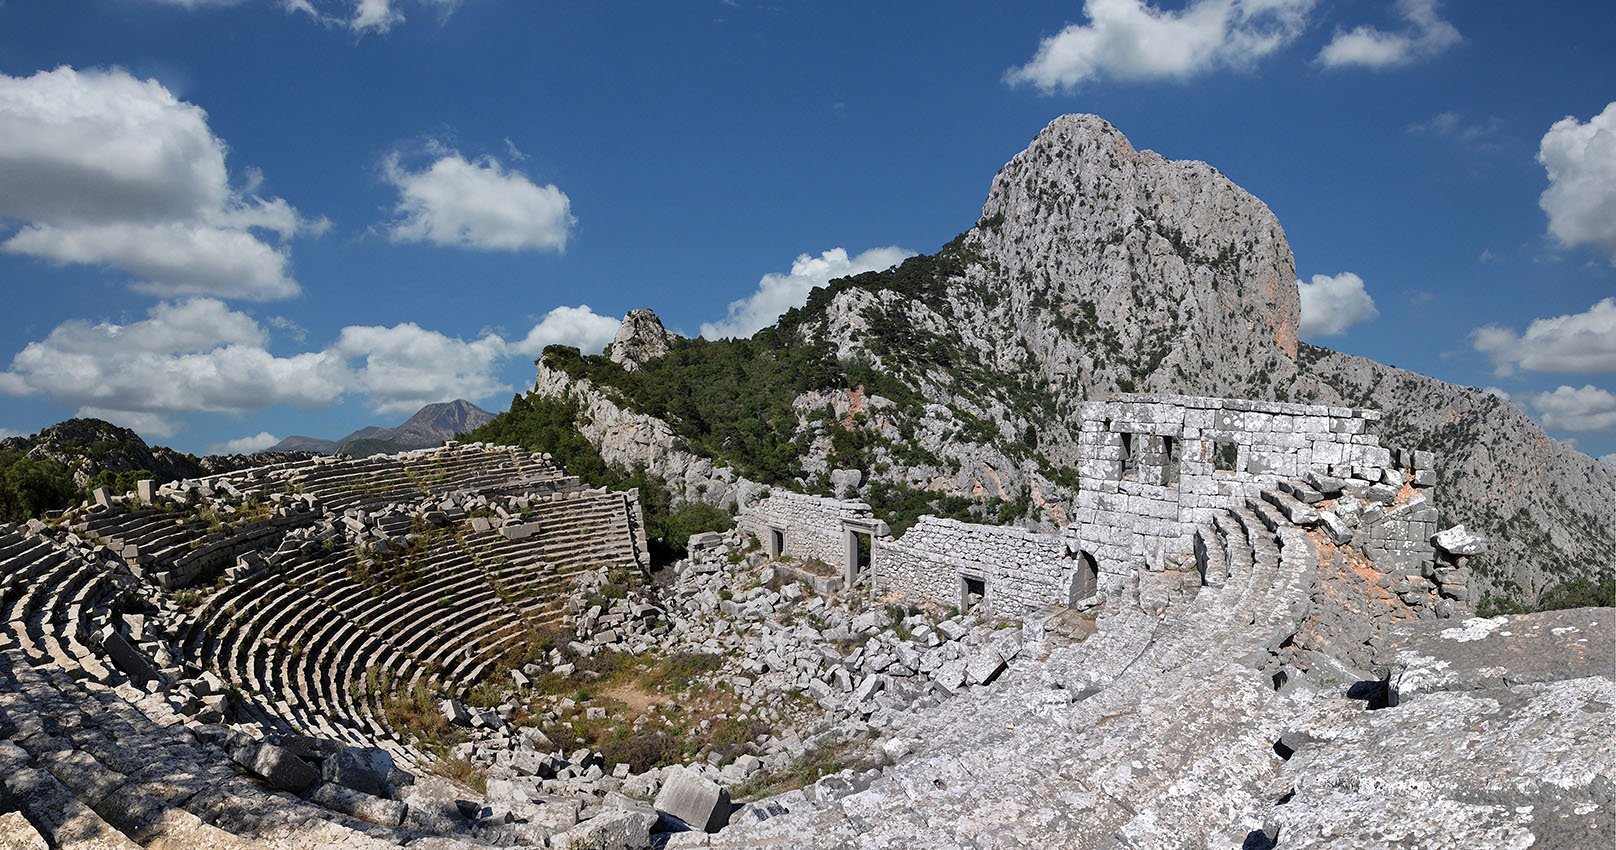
(429, 427)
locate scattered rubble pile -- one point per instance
(1199, 710)
(808, 677)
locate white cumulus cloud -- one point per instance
(361, 16)
(1610, 458)
(579, 327)
(195, 355)
(200, 356)
(1586, 408)
(1425, 34)
(106, 169)
(1578, 343)
(406, 366)
(195, 4)
(476, 204)
(1333, 303)
(245, 445)
(1581, 199)
(777, 293)
(1132, 40)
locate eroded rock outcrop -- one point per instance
(640, 339)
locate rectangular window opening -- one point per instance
(1172, 457)
(1130, 457)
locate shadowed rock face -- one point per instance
(90, 446)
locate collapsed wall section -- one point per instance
(1152, 467)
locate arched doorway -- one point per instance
(1085, 580)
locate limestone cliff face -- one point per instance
(627, 439)
(1099, 267)
(1549, 511)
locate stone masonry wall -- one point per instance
(1152, 467)
(1021, 569)
(813, 525)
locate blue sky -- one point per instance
(225, 221)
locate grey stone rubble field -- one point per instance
(1171, 730)
(722, 606)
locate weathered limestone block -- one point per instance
(609, 830)
(367, 807)
(278, 766)
(696, 801)
(984, 666)
(16, 833)
(130, 660)
(1459, 541)
(360, 768)
(1335, 528)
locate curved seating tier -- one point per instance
(1167, 722)
(313, 635)
(341, 483)
(91, 761)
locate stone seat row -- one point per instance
(351, 483)
(305, 634)
(89, 761)
(90, 767)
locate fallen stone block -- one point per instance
(704, 540)
(699, 803)
(1382, 493)
(984, 666)
(455, 713)
(1335, 528)
(16, 833)
(367, 807)
(134, 663)
(950, 676)
(278, 766)
(360, 768)
(1459, 541)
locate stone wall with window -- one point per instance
(1152, 467)
(1018, 569)
(809, 527)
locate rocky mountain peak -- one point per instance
(86, 447)
(443, 420)
(1161, 250)
(640, 339)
